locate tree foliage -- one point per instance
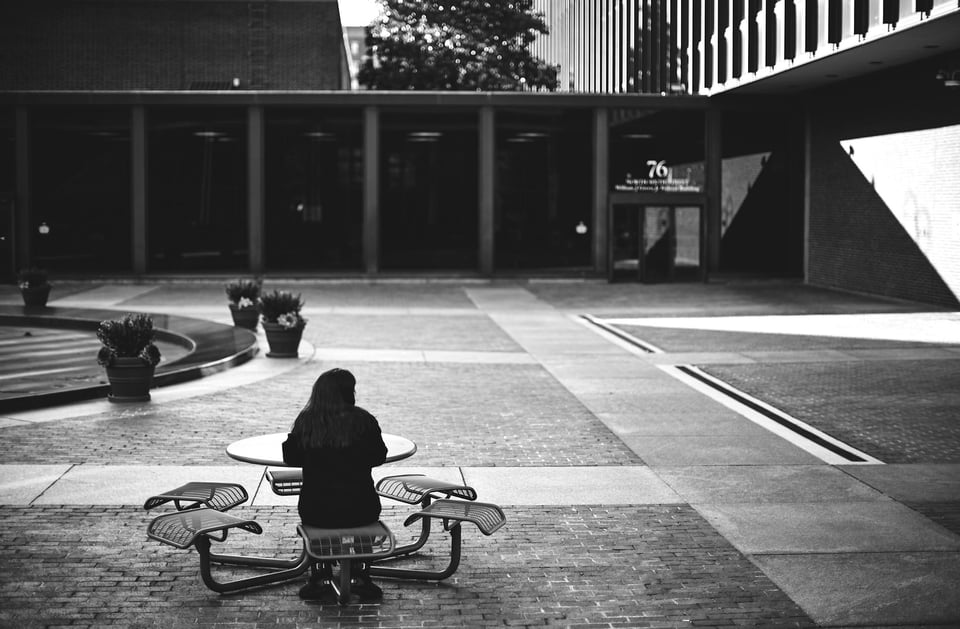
(456, 45)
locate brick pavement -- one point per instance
(573, 566)
(580, 564)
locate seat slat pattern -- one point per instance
(218, 496)
(181, 528)
(488, 517)
(361, 542)
(412, 488)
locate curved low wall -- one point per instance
(213, 347)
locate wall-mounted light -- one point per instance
(581, 228)
(44, 229)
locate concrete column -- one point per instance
(138, 189)
(601, 143)
(486, 186)
(21, 207)
(371, 189)
(255, 188)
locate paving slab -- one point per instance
(717, 484)
(624, 485)
(633, 418)
(870, 589)
(761, 448)
(912, 482)
(812, 527)
(133, 484)
(22, 484)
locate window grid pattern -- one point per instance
(704, 47)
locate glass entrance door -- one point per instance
(655, 243)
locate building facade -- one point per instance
(837, 122)
(688, 141)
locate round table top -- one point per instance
(268, 449)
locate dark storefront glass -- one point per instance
(657, 176)
(428, 191)
(314, 191)
(543, 190)
(197, 189)
(80, 189)
(8, 188)
(656, 151)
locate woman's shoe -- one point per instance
(318, 591)
(367, 590)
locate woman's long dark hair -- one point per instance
(326, 420)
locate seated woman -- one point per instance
(336, 443)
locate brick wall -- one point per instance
(169, 45)
(855, 240)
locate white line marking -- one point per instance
(616, 336)
(822, 453)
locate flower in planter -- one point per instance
(31, 277)
(281, 307)
(130, 336)
(291, 320)
(243, 293)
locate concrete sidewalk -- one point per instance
(634, 496)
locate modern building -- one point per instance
(689, 141)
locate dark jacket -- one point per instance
(338, 489)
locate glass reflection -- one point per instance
(428, 194)
(543, 183)
(656, 151)
(314, 194)
(197, 190)
(8, 178)
(80, 189)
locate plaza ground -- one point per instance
(634, 497)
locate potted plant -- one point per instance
(34, 287)
(243, 295)
(281, 320)
(129, 356)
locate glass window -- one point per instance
(80, 189)
(544, 176)
(314, 189)
(8, 191)
(428, 191)
(656, 151)
(197, 189)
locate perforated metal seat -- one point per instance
(285, 482)
(345, 545)
(413, 488)
(218, 496)
(488, 517)
(182, 528)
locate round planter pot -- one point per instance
(35, 296)
(283, 341)
(130, 380)
(245, 317)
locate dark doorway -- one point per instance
(656, 242)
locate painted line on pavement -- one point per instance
(797, 432)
